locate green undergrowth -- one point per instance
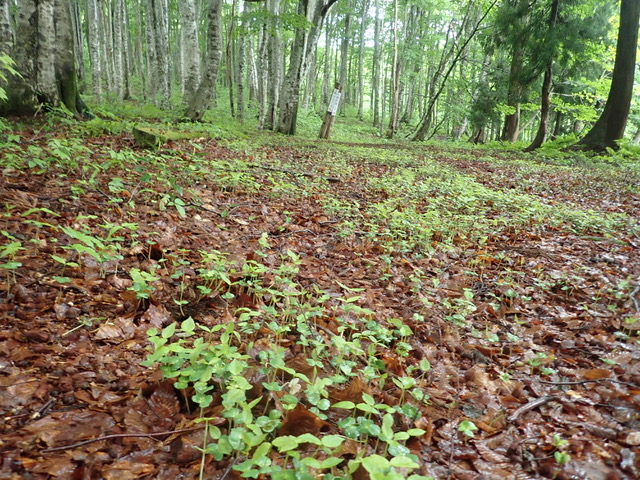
(290, 353)
(220, 365)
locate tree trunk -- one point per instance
(190, 48)
(545, 95)
(44, 54)
(120, 49)
(395, 77)
(364, 16)
(240, 70)
(326, 81)
(200, 102)
(157, 36)
(275, 71)
(376, 70)
(344, 59)
(314, 11)
(429, 114)
(611, 125)
(511, 129)
(78, 43)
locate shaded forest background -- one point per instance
(473, 70)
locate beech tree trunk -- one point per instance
(199, 103)
(275, 70)
(611, 125)
(43, 49)
(395, 77)
(376, 70)
(157, 37)
(344, 60)
(314, 11)
(190, 48)
(363, 27)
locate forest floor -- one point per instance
(318, 308)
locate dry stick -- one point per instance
(292, 172)
(597, 380)
(119, 435)
(530, 406)
(633, 298)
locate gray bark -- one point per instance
(157, 38)
(344, 60)
(201, 100)
(275, 66)
(190, 50)
(94, 28)
(44, 54)
(376, 71)
(304, 41)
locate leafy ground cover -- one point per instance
(263, 307)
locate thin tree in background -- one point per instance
(545, 95)
(611, 125)
(189, 47)
(395, 77)
(305, 40)
(199, 103)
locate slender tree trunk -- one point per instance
(252, 70)
(429, 114)
(263, 76)
(275, 71)
(229, 54)
(611, 125)
(511, 129)
(395, 77)
(326, 83)
(190, 47)
(376, 70)
(157, 36)
(78, 43)
(363, 26)
(344, 59)
(200, 102)
(45, 59)
(240, 70)
(545, 95)
(304, 42)
(636, 137)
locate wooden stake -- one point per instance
(332, 110)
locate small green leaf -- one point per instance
(403, 462)
(285, 443)
(346, 405)
(309, 438)
(188, 325)
(332, 441)
(331, 462)
(375, 463)
(467, 427)
(11, 265)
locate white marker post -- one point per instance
(332, 111)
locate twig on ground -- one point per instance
(633, 297)
(530, 406)
(298, 231)
(119, 435)
(292, 172)
(595, 380)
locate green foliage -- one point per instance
(6, 67)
